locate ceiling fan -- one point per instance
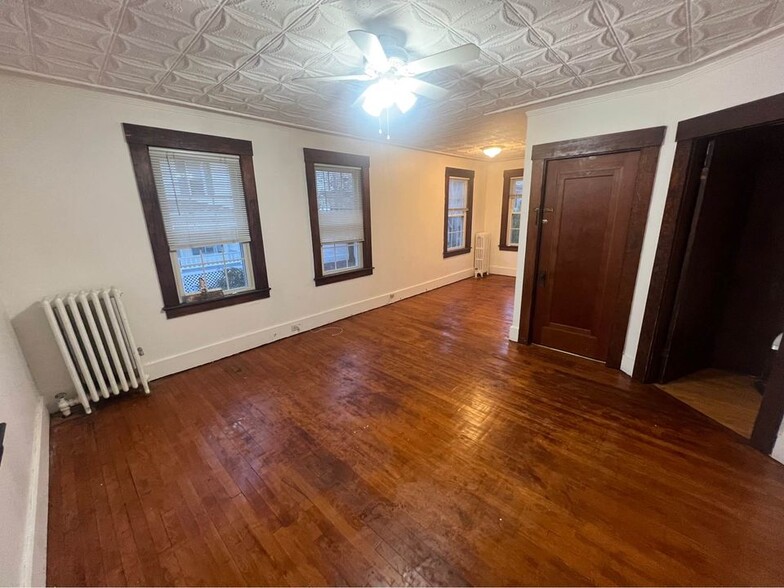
(394, 76)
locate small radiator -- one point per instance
(92, 331)
(481, 255)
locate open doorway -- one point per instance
(716, 305)
(729, 306)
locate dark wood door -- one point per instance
(586, 208)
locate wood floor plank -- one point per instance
(409, 445)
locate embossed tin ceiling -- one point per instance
(247, 56)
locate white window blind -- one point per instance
(201, 197)
(339, 196)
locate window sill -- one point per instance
(332, 278)
(508, 247)
(454, 252)
(205, 305)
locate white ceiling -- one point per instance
(246, 56)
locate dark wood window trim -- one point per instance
(647, 142)
(453, 172)
(318, 156)
(140, 139)
(508, 175)
(693, 136)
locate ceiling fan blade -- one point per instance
(371, 48)
(461, 54)
(354, 77)
(425, 89)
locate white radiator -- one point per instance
(92, 331)
(481, 255)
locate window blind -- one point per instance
(201, 197)
(458, 193)
(339, 196)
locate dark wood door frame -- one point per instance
(647, 142)
(693, 136)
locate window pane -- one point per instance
(458, 193)
(514, 237)
(220, 268)
(455, 238)
(338, 257)
(517, 205)
(516, 186)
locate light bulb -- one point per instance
(491, 151)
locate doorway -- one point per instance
(589, 200)
(716, 301)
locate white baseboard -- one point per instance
(34, 552)
(514, 333)
(200, 356)
(503, 271)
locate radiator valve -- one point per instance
(63, 404)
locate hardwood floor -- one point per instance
(729, 399)
(410, 445)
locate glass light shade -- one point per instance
(491, 151)
(387, 92)
(405, 100)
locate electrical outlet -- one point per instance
(295, 329)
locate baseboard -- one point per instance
(514, 333)
(34, 553)
(200, 356)
(503, 271)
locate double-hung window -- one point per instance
(458, 208)
(199, 199)
(511, 209)
(339, 199)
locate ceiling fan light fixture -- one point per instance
(405, 100)
(491, 151)
(377, 98)
(384, 94)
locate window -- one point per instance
(199, 198)
(458, 207)
(511, 209)
(339, 198)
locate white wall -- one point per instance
(501, 262)
(24, 470)
(72, 219)
(750, 75)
